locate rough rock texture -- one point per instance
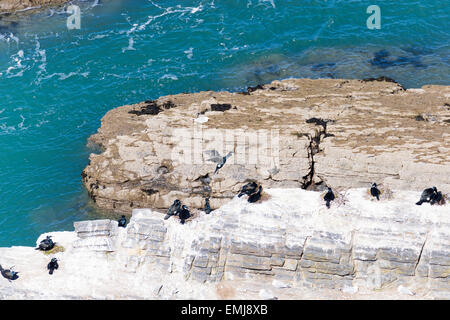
(289, 246)
(17, 5)
(290, 133)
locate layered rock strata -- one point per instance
(11, 6)
(281, 247)
(291, 133)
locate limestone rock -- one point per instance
(295, 133)
(15, 5)
(287, 246)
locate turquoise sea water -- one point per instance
(56, 84)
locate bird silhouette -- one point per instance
(329, 196)
(217, 158)
(183, 214)
(173, 210)
(255, 196)
(9, 273)
(427, 195)
(46, 244)
(436, 198)
(122, 222)
(52, 265)
(248, 189)
(207, 206)
(374, 191)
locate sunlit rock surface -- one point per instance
(20, 5)
(295, 133)
(288, 246)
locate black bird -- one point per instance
(217, 158)
(207, 206)
(46, 244)
(436, 198)
(52, 265)
(122, 222)
(427, 195)
(248, 189)
(329, 196)
(255, 196)
(9, 273)
(173, 210)
(374, 191)
(183, 214)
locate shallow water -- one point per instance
(56, 84)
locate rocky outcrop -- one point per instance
(18, 5)
(281, 247)
(293, 133)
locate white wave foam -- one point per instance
(4, 129)
(272, 2)
(64, 76)
(26, 9)
(189, 53)
(130, 45)
(169, 76)
(98, 36)
(9, 38)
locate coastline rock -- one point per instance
(290, 243)
(295, 133)
(13, 6)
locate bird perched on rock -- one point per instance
(437, 198)
(427, 195)
(217, 158)
(207, 206)
(329, 196)
(374, 191)
(255, 196)
(9, 273)
(248, 189)
(52, 265)
(173, 210)
(46, 244)
(122, 222)
(183, 214)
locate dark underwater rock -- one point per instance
(322, 66)
(383, 78)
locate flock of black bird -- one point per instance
(431, 195)
(177, 209)
(45, 245)
(251, 189)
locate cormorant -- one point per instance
(173, 210)
(9, 273)
(248, 189)
(183, 214)
(374, 191)
(217, 158)
(122, 222)
(207, 206)
(427, 195)
(255, 196)
(329, 196)
(46, 244)
(52, 265)
(436, 198)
